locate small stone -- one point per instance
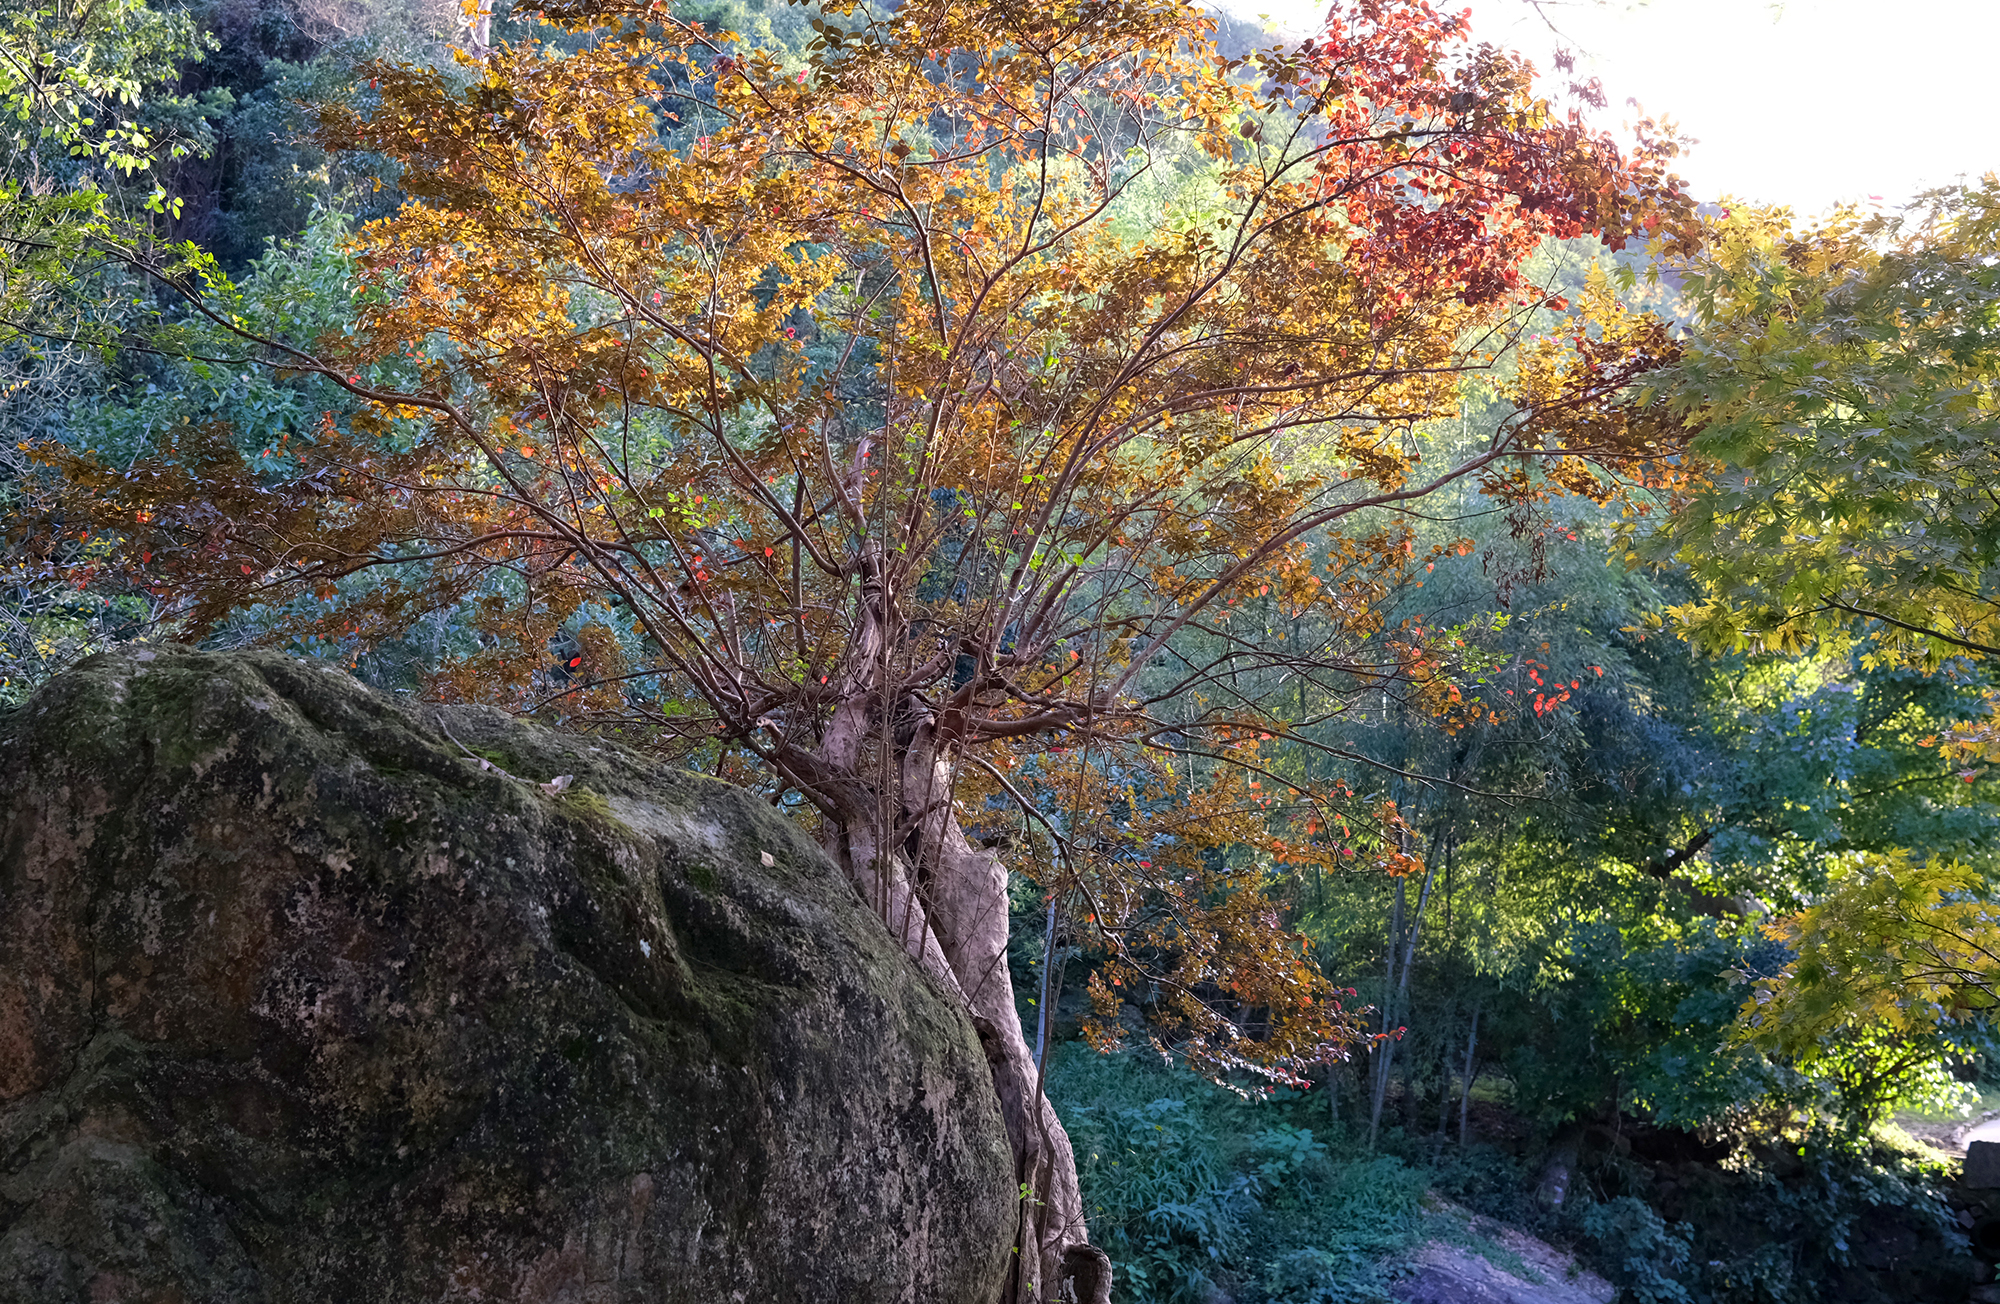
(765, 859)
(1982, 1165)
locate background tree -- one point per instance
(879, 430)
(1609, 846)
(1840, 381)
(1840, 378)
(91, 120)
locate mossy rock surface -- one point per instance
(299, 1002)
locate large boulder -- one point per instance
(306, 996)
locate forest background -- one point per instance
(1642, 830)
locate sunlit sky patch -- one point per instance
(1805, 103)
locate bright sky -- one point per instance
(1804, 103)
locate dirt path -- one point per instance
(1495, 1264)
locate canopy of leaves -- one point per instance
(1841, 380)
(789, 401)
(1907, 951)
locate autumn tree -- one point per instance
(884, 428)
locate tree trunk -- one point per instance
(883, 767)
(1396, 994)
(1465, 1093)
(966, 890)
(1444, 1074)
(945, 900)
(1378, 1077)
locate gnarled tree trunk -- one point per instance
(945, 899)
(883, 776)
(965, 888)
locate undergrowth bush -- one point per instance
(1192, 1189)
(1645, 1254)
(1196, 1192)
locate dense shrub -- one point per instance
(1197, 1192)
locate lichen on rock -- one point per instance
(300, 1001)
